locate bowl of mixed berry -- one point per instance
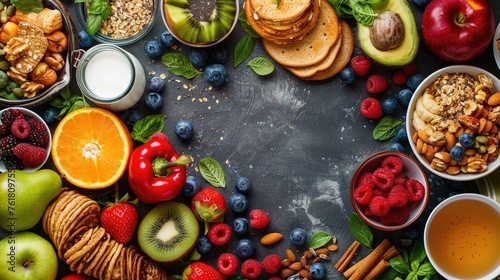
(389, 190)
(25, 140)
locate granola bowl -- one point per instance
(129, 21)
(452, 123)
(63, 75)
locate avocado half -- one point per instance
(406, 52)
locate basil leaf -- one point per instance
(399, 265)
(65, 93)
(246, 27)
(212, 172)
(243, 49)
(261, 65)
(179, 64)
(28, 6)
(360, 230)
(412, 276)
(57, 103)
(320, 239)
(144, 128)
(427, 268)
(417, 254)
(97, 7)
(93, 23)
(386, 128)
(390, 274)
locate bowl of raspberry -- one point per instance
(25, 140)
(389, 190)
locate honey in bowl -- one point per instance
(462, 237)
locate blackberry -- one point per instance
(6, 144)
(4, 129)
(12, 163)
(8, 117)
(38, 137)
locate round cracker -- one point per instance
(285, 10)
(89, 270)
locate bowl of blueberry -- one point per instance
(25, 140)
(389, 190)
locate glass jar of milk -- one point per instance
(110, 77)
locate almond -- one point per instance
(290, 255)
(286, 272)
(271, 238)
(296, 266)
(494, 99)
(305, 274)
(322, 251)
(332, 248)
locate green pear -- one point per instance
(24, 196)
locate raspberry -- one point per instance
(158, 136)
(219, 233)
(400, 179)
(399, 78)
(379, 206)
(366, 180)
(6, 145)
(379, 192)
(227, 264)
(274, 278)
(398, 196)
(259, 219)
(376, 84)
(30, 156)
(360, 65)
(371, 108)
(383, 178)
(415, 190)
(369, 213)
(363, 195)
(271, 263)
(251, 268)
(410, 69)
(20, 128)
(396, 216)
(393, 164)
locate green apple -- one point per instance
(27, 256)
(24, 196)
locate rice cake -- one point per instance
(285, 10)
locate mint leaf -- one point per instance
(144, 128)
(360, 230)
(320, 239)
(212, 172)
(179, 64)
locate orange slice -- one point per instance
(91, 148)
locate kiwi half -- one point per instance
(200, 22)
(168, 232)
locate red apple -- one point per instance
(76, 277)
(458, 30)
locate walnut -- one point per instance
(17, 76)
(31, 88)
(54, 60)
(15, 49)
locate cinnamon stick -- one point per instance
(346, 258)
(377, 270)
(371, 260)
(389, 253)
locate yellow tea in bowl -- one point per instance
(462, 237)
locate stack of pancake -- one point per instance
(304, 36)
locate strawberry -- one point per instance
(120, 218)
(209, 206)
(201, 271)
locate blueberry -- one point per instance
(318, 271)
(411, 233)
(396, 147)
(131, 116)
(49, 115)
(421, 3)
(414, 81)
(184, 129)
(298, 236)
(347, 75)
(389, 105)
(401, 134)
(404, 97)
(457, 153)
(215, 74)
(243, 184)
(84, 39)
(153, 48)
(167, 39)
(156, 84)
(245, 248)
(198, 57)
(466, 139)
(203, 244)
(219, 54)
(153, 101)
(240, 225)
(238, 202)
(191, 187)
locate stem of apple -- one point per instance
(460, 19)
(27, 263)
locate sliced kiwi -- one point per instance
(168, 232)
(200, 22)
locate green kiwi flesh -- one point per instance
(168, 232)
(197, 25)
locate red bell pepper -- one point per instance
(156, 172)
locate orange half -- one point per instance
(91, 148)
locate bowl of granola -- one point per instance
(453, 120)
(126, 21)
(36, 62)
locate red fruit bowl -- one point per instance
(396, 168)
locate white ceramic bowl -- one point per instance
(411, 169)
(473, 71)
(48, 145)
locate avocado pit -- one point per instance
(387, 31)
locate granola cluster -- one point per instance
(128, 17)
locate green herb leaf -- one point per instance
(212, 172)
(360, 230)
(179, 64)
(427, 268)
(417, 255)
(399, 265)
(247, 28)
(261, 65)
(412, 275)
(28, 6)
(144, 128)
(243, 49)
(319, 239)
(361, 10)
(68, 103)
(97, 7)
(93, 23)
(386, 128)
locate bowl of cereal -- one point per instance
(30, 81)
(452, 122)
(128, 21)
